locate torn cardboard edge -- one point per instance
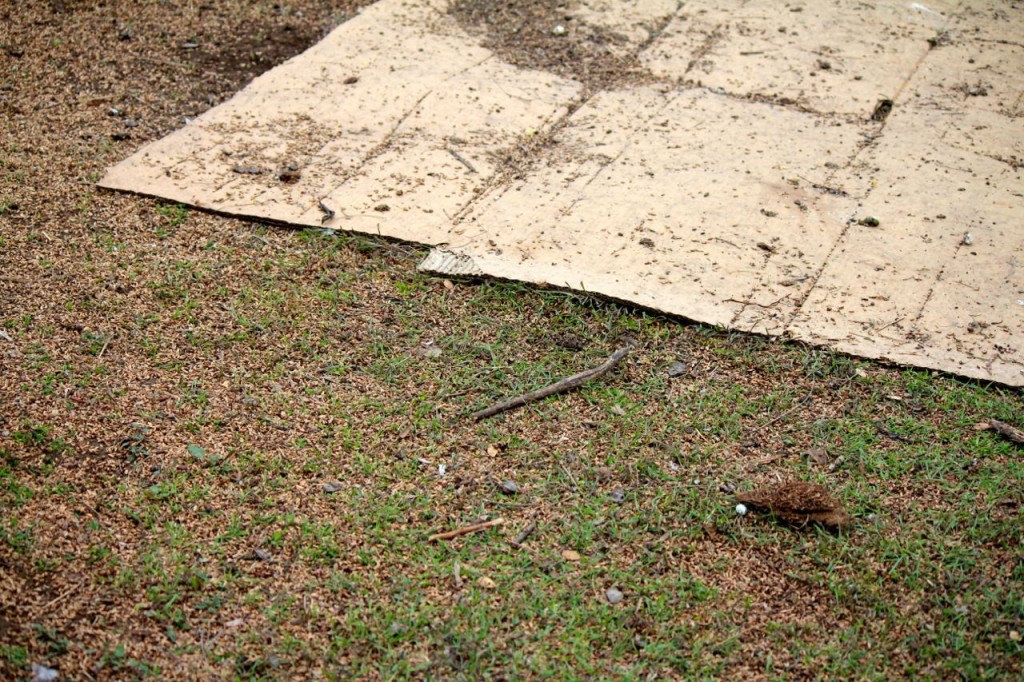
(443, 262)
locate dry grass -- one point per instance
(179, 391)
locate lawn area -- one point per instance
(224, 446)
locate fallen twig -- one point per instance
(476, 527)
(105, 344)
(461, 159)
(60, 597)
(782, 415)
(525, 533)
(882, 431)
(560, 386)
(568, 472)
(328, 213)
(1004, 429)
(800, 403)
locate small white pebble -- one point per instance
(558, 30)
(741, 509)
(40, 673)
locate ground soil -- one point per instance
(107, 374)
(83, 84)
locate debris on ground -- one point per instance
(560, 386)
(524, 534)
(41, 673)
(466, 530)
(819, 456)
(798, 503)
(1003, 429)
(677, 368)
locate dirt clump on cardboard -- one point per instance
(546, 35)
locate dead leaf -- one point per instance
(486, 583)
(677, 368)
(428, 350)
(570, 341)
(570, 555)
(818, 456)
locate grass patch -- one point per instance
(245, 487)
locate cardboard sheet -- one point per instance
(843, 173)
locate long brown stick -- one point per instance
(560, 386)
(1013, 433)
(476, 527)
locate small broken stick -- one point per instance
(328, 213)
(524, 533)
(1004, 429)
(461, 159)
(560, 386)
(466, 530)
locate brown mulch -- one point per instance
(798, 503)
(82, 85)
